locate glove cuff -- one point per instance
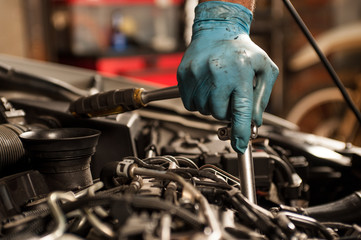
(217, 11)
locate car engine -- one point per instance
(159, 172)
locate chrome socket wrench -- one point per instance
(245, 164)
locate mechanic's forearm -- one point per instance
(250, 4)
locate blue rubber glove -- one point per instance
(223, 73)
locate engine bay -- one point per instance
(159, 172)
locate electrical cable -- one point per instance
(264, 218)
(186, 161)
(143, 164)
(219, 170)
(323, 59)
(212, 184)
(192, 191)
(162, 159)
(136, 202)
(199, 173)
(250, 215)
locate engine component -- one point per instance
(20, 189)
(8, 114)
(343, 210)
(62, 155)
(118, 132)
(11, 150)
(164, 175)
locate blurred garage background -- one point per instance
(145, 40)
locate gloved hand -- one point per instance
(223, 73)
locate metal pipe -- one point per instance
(245, 163)
(216, 232)
(160, 94)
(97, 224)
(246, 174)
(57, 214)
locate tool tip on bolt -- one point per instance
(254, 131)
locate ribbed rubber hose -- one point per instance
(11, 148)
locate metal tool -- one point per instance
(119, 101)
(245, 164)
(123, 100)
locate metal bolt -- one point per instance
(224, 133)
(254, 131)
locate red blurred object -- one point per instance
(114, 2)
(135, 38)
(160, 69)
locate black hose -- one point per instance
(200, 173)
(323, 59)
(143, 164)
(186, 161)
(252, 217)
(263, 222)
(11, 149)
(31, 231)
(213, 184)
(286, 168)
(346, 210)
(136, 202)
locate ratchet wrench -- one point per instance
(123, 100)
(119, 101)
(245, 164)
